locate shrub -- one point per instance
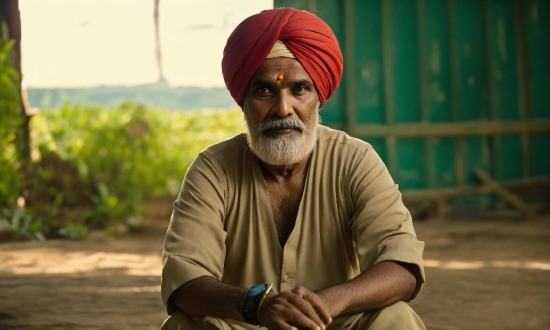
(10, 123)
(114, 158)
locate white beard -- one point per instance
(282, 149)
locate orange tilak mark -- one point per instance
(280, 77)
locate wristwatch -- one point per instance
(251, 301)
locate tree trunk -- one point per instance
(9, 10)
(158, 52)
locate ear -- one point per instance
(243, 105)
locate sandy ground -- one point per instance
(480, 275)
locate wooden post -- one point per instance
(9, 10)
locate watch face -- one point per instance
(250, 302)
(257, 290)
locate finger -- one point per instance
(319, 305)
(307, 311)
(282, 313)
(303, 321)
(281, 325)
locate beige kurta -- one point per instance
(351, 217)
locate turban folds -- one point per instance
(308, 37)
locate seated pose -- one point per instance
(291, 225)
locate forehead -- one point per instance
(290, 68)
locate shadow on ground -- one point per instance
(480, 275)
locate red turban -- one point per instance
(308, 37)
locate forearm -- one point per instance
(206, 296)
(380, 286)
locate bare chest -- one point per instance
(285, 202)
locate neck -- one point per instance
(283, 172)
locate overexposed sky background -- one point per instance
(85, 43)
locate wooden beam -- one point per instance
(481, 128)
(425, 195)
(504, 194)
(420, 196)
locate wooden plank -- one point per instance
(389, 91)
(525, 104)
(349, 52)
(423, 72)
(424, 81)
(430, 166)
(425, 195)
(454, 51)
(387, 65)
(391, 151)
(460, 147)
(312, 6)
(525, 96)
(504, 194)
(479, 128)
(490, 92)
(417, 196)
(526, 155)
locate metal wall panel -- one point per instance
(441, 87)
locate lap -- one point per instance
(396, 316)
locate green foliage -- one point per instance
(20, 224)
(10, 123)
(127, 153)
(73, 231)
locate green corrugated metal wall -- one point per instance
(440, 87)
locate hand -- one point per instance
(293, 310)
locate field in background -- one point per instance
(157, 95)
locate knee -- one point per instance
(178, 321)
(401, 316)
(397, 316)
(181, 321)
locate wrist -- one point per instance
(253, 301)
(334, 305)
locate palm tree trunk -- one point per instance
(158, 52)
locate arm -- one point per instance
(298, 307)
(390, 256)
(380, 286)
(210, 298)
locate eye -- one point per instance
(301, 89)
(262, 90)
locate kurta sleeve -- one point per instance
(382, 226)
(195, 240)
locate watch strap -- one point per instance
(251, 302)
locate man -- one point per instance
(291, 225)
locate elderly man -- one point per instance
(291, 225)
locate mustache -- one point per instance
(274, 123)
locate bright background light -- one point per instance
(84, 43)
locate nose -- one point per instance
(283, 107)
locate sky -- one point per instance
(85, 43)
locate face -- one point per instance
(281, 115)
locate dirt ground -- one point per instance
(491, 274)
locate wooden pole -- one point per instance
(9, 9)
